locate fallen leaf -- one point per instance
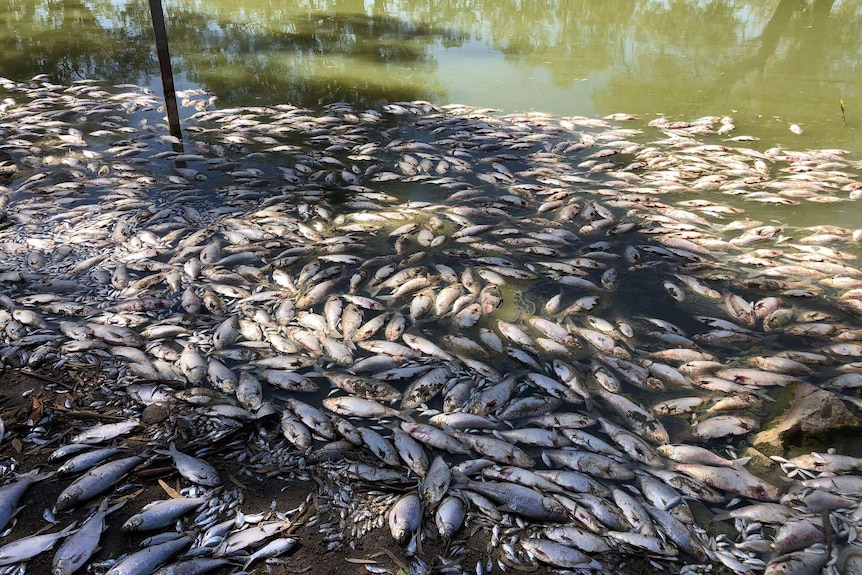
(236, 482)
(130, 496)
(173, 493)
(35, 412)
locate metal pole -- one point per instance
(161, 33)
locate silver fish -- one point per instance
(158, 514)
(404, 518)
(28, 547)
(271, 549)
(194, 469)
(11, 493)
(96, 481)
(78, 548)
(150, 558)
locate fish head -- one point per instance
(523, 460)
(401, 533)
(68, 499)
(132, 524)
(555, 509)
(400, 527)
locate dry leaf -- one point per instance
(236, 482)
(130, 496)
(173, 493)
(35, 412)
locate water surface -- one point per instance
(769, 64)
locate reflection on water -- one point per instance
(768, 63)
(315, 58)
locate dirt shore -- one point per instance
(60, 403)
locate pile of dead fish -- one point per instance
(215, 544)
(534, 324)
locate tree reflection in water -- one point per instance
(693, 55)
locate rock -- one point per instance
(814, 414)
(154, 413)
(759, 464)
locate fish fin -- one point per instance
(391, 426)
(741, 462)
(459, 480)
(103, 505)
(448, 428)
(113, 508)
(36, 476)
(404, 415)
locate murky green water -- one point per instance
(769, 63)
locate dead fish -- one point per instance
(732, 480)
(520, 500)
(77, 549)
(150, 558)
(404, 518)
(11, 493)
(96, 481)
(194, 469)
(559, 555)
(28, 547)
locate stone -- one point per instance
(814, 414)
(154, 413)
(758, 464)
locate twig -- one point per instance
(47, 379)
(87, 414)
(392, 556)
